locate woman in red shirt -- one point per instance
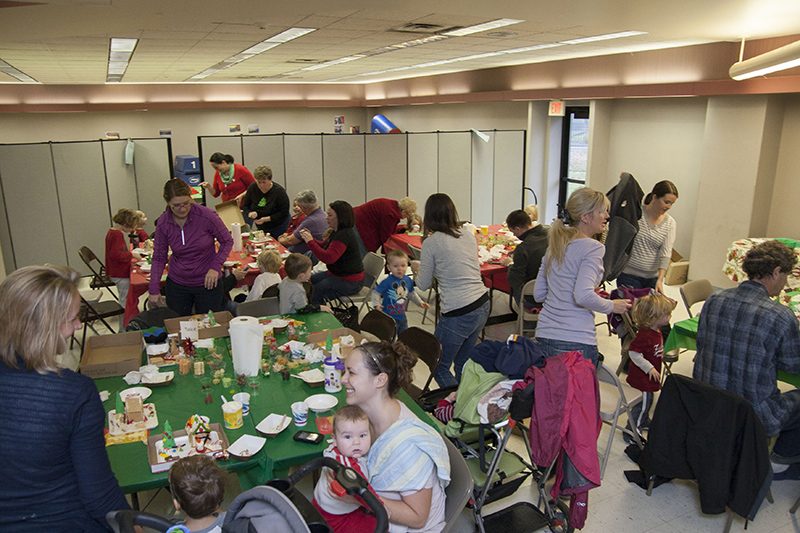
(118, 254)
(230, 180)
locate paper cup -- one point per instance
(300, 413)
(244, 399)
(232, 415)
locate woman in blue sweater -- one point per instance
(53, 464)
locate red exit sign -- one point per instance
(556, 108)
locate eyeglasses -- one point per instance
(181, 205)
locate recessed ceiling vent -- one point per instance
(421, 27)
(306, 61)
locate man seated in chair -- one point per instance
(744, 337)
(528, 254)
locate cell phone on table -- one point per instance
(307, 436)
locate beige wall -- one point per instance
(784, 220)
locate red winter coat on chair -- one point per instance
(566, 415)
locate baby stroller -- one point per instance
(498, 472)
(275, 506)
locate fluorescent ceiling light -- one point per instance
(290, 34)
(779, 59)
(14, 73)
(120, 52)
(123, 45)
(263, 46)
(469, 30)
(605, 37)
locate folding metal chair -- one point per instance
(523, 315)
(261, 307)
(695, 292)
(433, 292)
(100, 278)
(605, 375)
(379, 324)
(428, 350)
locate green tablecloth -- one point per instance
(183, 398)
(684, 336)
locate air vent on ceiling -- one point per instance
(421, 27)
(306, 61)
(502, 34)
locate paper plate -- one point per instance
(159, 380)
(230, 263)
(144, 392)
(272, 425)
(321, 402)
(246, 446)
(146, 268)
(314, 377)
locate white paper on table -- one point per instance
(189, 329)
(236, 233)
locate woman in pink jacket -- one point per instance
(191, 231)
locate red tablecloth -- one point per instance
(494, 276)
(140, 283)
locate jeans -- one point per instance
(328, 287)
(181, 298)
(635, 282)
(554, 347)
(402, 323)
(458, 335)
(787, 447)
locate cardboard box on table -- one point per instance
(322, 336)
(223, 318)
(229, 212)
(112, 355)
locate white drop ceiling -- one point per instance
(64, 42)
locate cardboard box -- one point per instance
(321, 337)
(173, 325)
(112, 355)
(675, 256)
(229, 212)
(677, 273)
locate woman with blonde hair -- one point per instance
(571, 270)
(55, 470)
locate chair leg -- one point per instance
(795, 506)
(728, 521)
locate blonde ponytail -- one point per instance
(564, 230)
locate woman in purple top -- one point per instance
(570, 272)
(191, 231)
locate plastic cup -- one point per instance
(485, 230)
(324, 421)
(300, 413)
(232, 415)
(244, 399)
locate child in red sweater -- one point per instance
(647, 352)
(118, 253)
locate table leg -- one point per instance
(135, 501)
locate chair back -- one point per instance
(428, 350)
(261, 307)
(99, 277)
(270, 292)
(416, 253)
(606, 376)
(694, 292)
(523, 315)
(379, 324)
(373, 267)
(627, 335)
(459, 491)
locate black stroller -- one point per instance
(275, 506)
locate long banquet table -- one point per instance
(184, 397)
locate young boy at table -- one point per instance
(646, 353)
(197, 484)
(350, 443)
(269, 263)
(292, 294)
(396, 290)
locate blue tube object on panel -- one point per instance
(381, 124)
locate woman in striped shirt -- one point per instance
(652, 247)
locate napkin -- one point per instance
(103, 395)
(132, 378)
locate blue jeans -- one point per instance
(554, 347)
(402, 323)
(635, 282)
(787, 447)
(181, 298)
(328, 287)
(458, 336)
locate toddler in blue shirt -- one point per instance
(392, 294)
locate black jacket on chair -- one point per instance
(705, 433)
(623, 224)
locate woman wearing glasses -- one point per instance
(191, 231)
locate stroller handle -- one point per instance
(123, 521)
(353, 483)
